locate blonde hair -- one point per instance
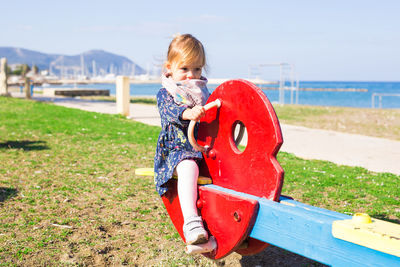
(186, 49)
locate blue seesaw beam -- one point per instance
(307, 231)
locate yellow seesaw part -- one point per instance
(144, 172)
(150, 172)
(369, 232)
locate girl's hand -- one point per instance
(194, 114)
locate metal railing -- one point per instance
(380, 95)
(287, 76)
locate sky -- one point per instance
(341, 40)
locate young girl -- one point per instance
(181, 99)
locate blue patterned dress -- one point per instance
(173, 145)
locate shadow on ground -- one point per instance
(276, 257)
(385, 217)
(6, 193)
(26, 145)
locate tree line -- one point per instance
(22, 70)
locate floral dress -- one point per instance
(173, 145)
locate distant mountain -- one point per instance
(90, 63)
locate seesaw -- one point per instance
(240, 197)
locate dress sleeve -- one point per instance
(168, 109)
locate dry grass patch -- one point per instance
(383, 123)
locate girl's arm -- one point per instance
(168, 109)
(194, 114)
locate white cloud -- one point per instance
(24, 27)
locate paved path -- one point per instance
(375, 154)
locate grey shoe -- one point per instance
(194, 232)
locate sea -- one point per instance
(318, 93)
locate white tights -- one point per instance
(188, 172)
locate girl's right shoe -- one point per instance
(194, 232)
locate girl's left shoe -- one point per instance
(194, 232)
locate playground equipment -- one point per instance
(243, 208)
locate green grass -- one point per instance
(69, 196)
(341, 188)
(135, 100)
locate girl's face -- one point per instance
(180, 72)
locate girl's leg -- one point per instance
(193, 228)
(188, 172)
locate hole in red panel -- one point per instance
(239, 134)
